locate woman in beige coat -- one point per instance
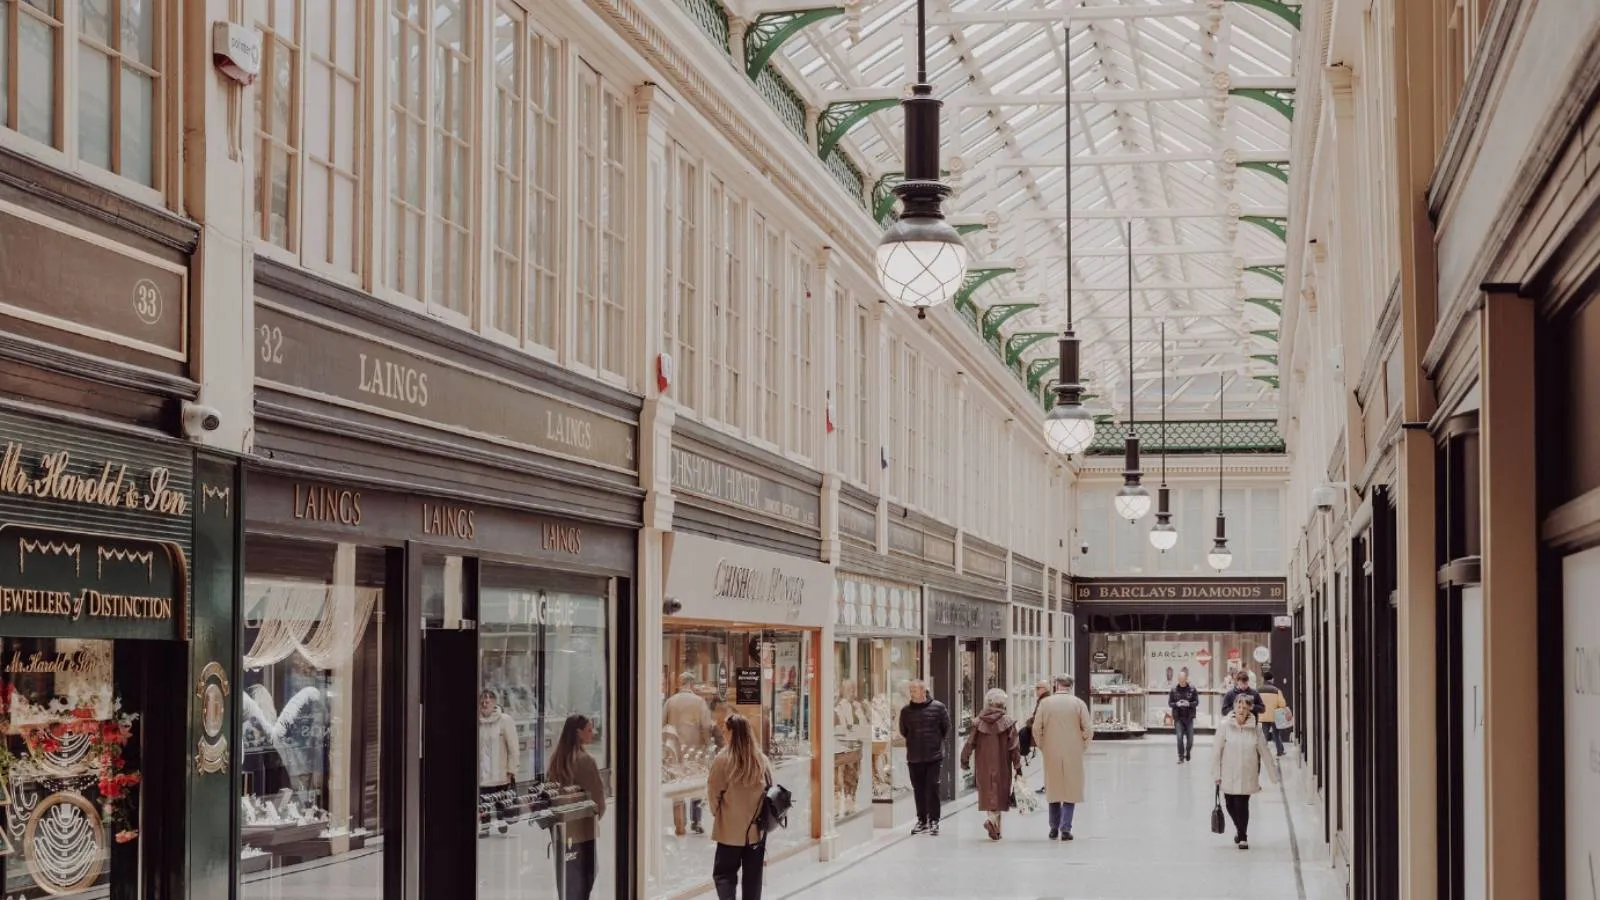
(1240, 757)
(738, 778)
(1062, 729)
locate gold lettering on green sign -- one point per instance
(113, 488)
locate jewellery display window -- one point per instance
(71, 772)
(544, 667)
(1134, 672)
(967, 701)
(873, 677)
(767, 676)
(310, 772)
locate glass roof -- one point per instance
(1158, 128)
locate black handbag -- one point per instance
(1219, 824)
(773, 813)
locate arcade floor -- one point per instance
(1143, 834)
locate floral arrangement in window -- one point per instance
(106, 741)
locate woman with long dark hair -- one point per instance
(735, 785)
(571, 764)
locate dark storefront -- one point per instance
(440, 533)
(117, 558)
(967, 635)
(1138, 635)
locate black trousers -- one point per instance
(578, 871)
(925, 788)
(1239, 811)
(732, 863)
(1185, 729)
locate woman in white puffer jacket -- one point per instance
(1241, 756)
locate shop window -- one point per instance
(544, 727)
(114, 121)
(311, 766)
(769, 677)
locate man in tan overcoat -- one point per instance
(1062, 730)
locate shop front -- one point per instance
(967, 653)
(424, 569)
(1030, 629)
(877, 648)
(1143, 635)
(100, 580)
(746, 638)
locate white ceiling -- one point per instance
(1155, 139)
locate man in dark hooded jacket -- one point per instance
(925, 724)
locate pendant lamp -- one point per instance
(921, 258)
(1220, 556)
(1132, 499)
(1163, 536)
(1068, 427)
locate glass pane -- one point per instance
(94, 107)
(278, 204)
(37, 93)
(283, 61)
(95, 20)
(139, 30)
(311, 751)
(138, 126)
(73, 774)
(315, 112)
(543, 705)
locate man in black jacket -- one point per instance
(1241, 688)
(924, 723)
(1184, 700)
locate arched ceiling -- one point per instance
(1180, 120)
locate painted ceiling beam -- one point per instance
(1053, 98)
(1122, 213)
(1124, 159)
(1079, 14)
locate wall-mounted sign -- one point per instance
(73, 584)
(858, 523)
(1282, 623)
(724, 581)
(713, 479)
(302, 355)
(952, 614)
(350, 509)
(982, 561)
(747, 686)
(1200, 590)
(873, 607)
(109, 292)
(910, 539)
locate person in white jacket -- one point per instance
(498, 749)
(1241, 755)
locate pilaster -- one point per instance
(654, 109)
(737, 29)
(217, 194)
(825, 318)
(1510, 629)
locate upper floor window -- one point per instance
(431, 129)
(680, 308)
(866, 384)
(113, 118)
(768, 328)
(803, 407)
(602, 212)
(308, 169)
(725, 334)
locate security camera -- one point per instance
(1083, 549)
(671, 606)
(199, 419)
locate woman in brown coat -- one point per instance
(571, 764)
(993, 740)
(735, 785)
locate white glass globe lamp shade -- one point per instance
(1068, 429)
(1220, 556)
(1163, 536)
(1132, 502)
(921, 262)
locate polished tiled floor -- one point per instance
(1144, 833)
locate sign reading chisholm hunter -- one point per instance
(95, 532)
(1265, 590)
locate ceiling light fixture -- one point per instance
(1068, 427)
(1220, 556)
(1133, 499)
(921, 258)
(1163, 536)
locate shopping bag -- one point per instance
(1022, 795)
(1282, 718)
(1218, 823)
